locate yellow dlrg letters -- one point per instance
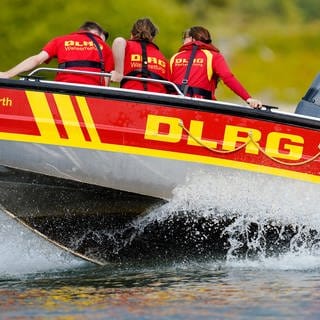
(173, 134)
(274, 143)
(231, 137)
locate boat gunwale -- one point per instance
(166, 100)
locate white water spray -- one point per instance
(23, 252)
(251, 198)
(254, 199)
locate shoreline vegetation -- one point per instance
(271, 46)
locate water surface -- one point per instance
(40, 281)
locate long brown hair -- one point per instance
(144, 29)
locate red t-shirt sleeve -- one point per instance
(223, 71)
(51, 48)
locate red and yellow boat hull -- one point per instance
(112, 137)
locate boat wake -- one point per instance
(223, 216)
(239, 219)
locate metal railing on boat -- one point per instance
(32, 76)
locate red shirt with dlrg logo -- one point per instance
(157, 67)
(76, 47)
(208, 66)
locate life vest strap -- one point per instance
(80, 63)
(192, 91)
(145, 71)
(139, 72)
(151, 75)
(184, 84)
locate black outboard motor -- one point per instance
(310, 103)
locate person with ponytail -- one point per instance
(198, 66)
(140, 57)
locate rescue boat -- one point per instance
(78, 157)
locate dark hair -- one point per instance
(91, 25)
(144, 29)
(198, 33)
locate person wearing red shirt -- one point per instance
(84, 50)
(140, 57)
(199, 77)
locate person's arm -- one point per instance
(108, 62)
(222, 69)
(118, 49)
(26, 65)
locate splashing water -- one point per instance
(23, 252)
(250, 209)
(264, 215)
(264, 201)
